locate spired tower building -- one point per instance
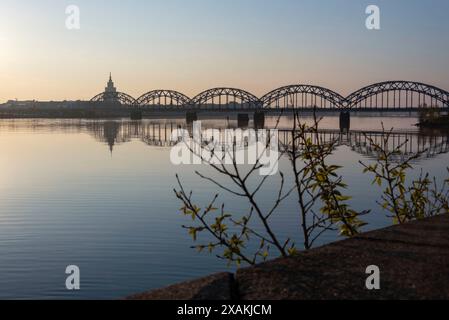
(110, 92)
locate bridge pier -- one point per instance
(136, 114)
(242, 120)
(259, 120)
(345, 121)
(191, 117)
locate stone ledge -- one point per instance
(413, 260)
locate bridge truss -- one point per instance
(302, 96)
(389, 95)
(398, 95)
(226, 98)
(118, 98)
(163, 98)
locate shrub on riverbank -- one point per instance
(318, 189)
(432, 117)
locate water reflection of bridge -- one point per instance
(158, 134)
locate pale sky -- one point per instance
(190, 46)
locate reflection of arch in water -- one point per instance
(409, 142)
(117, 132)
(159, 134)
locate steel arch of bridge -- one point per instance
(335, 99)
(122, 98)
(226, 96)
(161, 97)
(388, 86)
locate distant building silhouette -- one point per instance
(110, 92)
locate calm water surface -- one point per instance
(99, 194)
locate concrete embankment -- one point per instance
(413, 260)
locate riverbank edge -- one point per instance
(413, 260)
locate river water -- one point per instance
(99, 195)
